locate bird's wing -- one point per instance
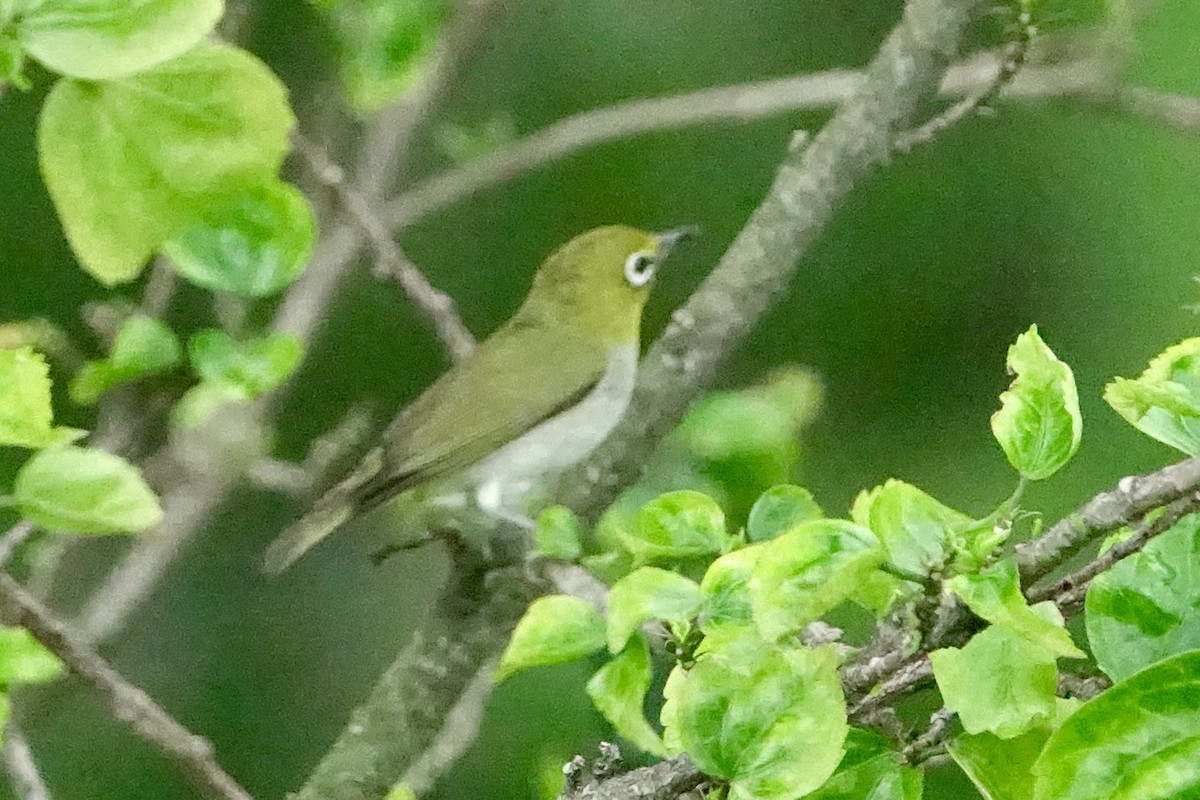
(477, 408)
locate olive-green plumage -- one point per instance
(537, 395)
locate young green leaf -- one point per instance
(770, 720)
(916, 530)
(24, 661)
(726, 587)
(1038, 424)
(1138, 740)
(557, 534)
(97, 39)
(81, 490)
(870, 770)
(995, 594)
(998, 682)
(1164, 401)
(1000, 768)
(555, 629)
(250, 240)
(383, 46)
(677, 526)
(808, 571)
(618, 691)
(779, 509)
(127, 162)
(649, 593)
(1144, 609)
(26, 417)
(257, 365)
(143, 346)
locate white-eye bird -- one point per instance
(535, 397)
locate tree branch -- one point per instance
(22, 769)
(665, 780)
(755, 271)
(391, 262)
(124, 701)
(1129, 501)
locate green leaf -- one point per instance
(726, 588)
(677, 526)
(1140, 740)
(1143, 609)
(257, 365)
(143, 346)
(250, 240)
(555, 629)
(26, 417)
(401, 791)
(12, 63)
(916, 530)
(1000, 768)
(203, 400)
(97, 39)
(779, 509)
(1038, 424)
(870, 771)
(618, 691)
(1164, 401)
(24, 661)
(995, 594)
(84, 491)
(771, 720)
(808, 571)
(998, 682)
(384, 46)
(557, 534)
(649, 593)
(128, 162)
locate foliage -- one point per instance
(754, 704)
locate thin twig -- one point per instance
(665, 780)
(931, 742)
(22, 769)
(13, 538)
(124, 701)
(1069, 592)
(391, 263)
(1130, 500)
(1013, 59)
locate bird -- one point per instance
(535, 397)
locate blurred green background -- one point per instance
(1081, 221)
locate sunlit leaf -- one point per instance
(1164, 401)
(127, 162)
(779, 509)
(646, 594)
(808, 571)
(112, 38)
(24, 661)
(726, 587)
(676, 526)
(250, 240)
(555, 629)
(870, 770)
(26, 416)
(998, 682)
(995, 595)
(1000, 768)
(1143, 609)
(1139, 740)
(84, 491)
(916, 530)
(1038, 424)
(771, 720)
(143, 346)
(618, 690)
(557, 534)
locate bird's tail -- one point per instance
(337, 506)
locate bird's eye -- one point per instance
(639, 269)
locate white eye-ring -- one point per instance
(639, 269)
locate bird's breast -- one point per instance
(567, 437)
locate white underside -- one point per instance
(562, 440)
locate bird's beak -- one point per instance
(668, 239)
